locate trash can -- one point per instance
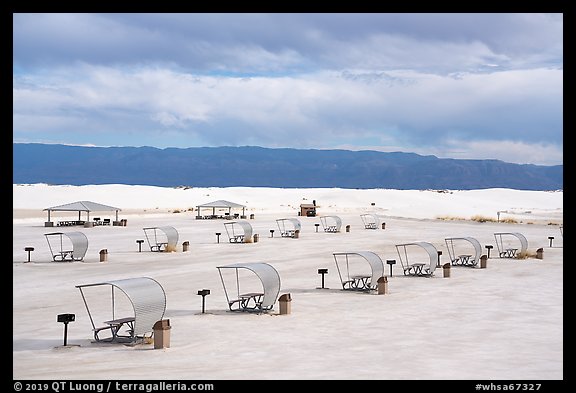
(256, 236)
(285, 301)
(48, 223)
(382, 285)
(540, 253)
(185, 246)
(483, 261)
(88, 224)
(383, 225)
(162, 334)
(251, 216)
(103, 255)
(124, 222)
(347, 228)
(296, 233)
(446, 268)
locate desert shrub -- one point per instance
(450, 218)
(509, 221)
(525, 254)
(483, 219)
(170, 248)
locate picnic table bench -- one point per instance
(331, 228)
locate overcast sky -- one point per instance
(467, 86)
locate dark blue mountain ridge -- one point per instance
(252, 166)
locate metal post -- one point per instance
(550, 238)
(203, 293)
(322, 272)
(489, 247)
(439, 253)
(218, 237)
(390, 262)
(65, 318)
(271, 232)
(316, 225)
(139, 245)
(28, 249)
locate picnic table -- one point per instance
(464, 260)
(159, 247)
(248, 301)
(415, 269)
(114, 326)
(236, 239)
(62, 256)
(360, 282)
(69, 223)
(509, 253)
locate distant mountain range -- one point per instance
(263, 167)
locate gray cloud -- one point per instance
(253, 43)
(453, 85)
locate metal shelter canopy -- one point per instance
(375, 262)
(82, 206)
(146, 295)
(269, 278)
(287, 230)
(220, 204)
(432, 252)
(161, 238)
(72, 250)
(331, 223)
(450, 244)
(503, 242)
(235, 235)
(370, 220)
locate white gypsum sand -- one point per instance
(502, 322)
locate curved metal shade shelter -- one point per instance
(161, 238)
(257, 297)
(407, 251)
(148, 301)
(355, 276)
(370, 220)
(67, 246)
(457, 246)
(288, 226)
(505, 242)
(331, 223)
(238, 231)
